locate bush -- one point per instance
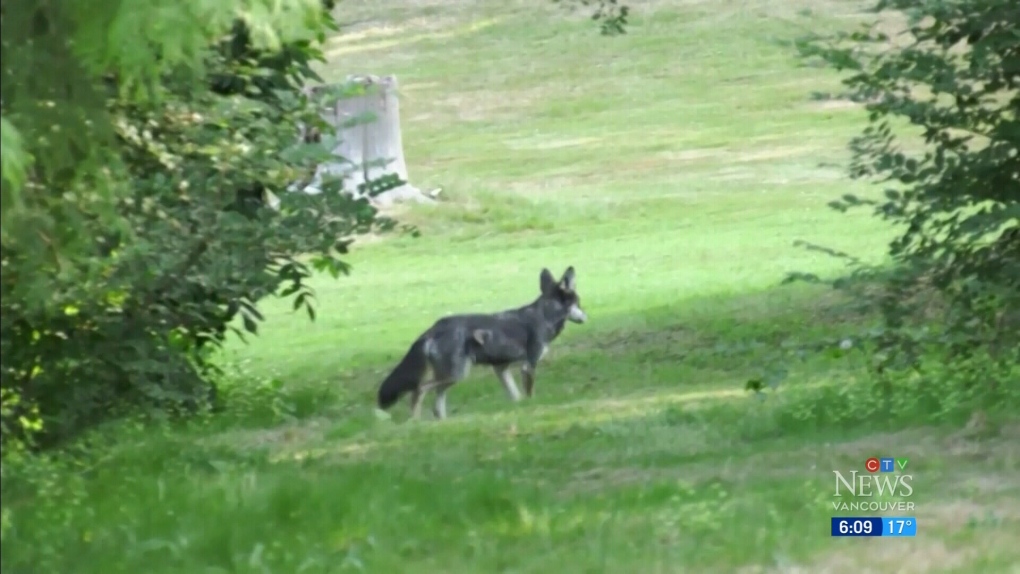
(128, 309)
(950, 305)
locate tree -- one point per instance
(943, 138)
(137, 229)
(54, 123)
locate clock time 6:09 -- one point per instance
(856, 526)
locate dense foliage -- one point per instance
(943, 98)
(139, 229)
(610, 14)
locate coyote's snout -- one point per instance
(500, 340)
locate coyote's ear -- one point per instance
(569, 282)
(546, 282)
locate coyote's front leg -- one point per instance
(528, 374)
(535, 354)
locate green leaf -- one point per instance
(250, 324)
(14, 160)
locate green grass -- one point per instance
(674, 168)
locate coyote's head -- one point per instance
(563, 293)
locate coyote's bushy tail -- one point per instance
(406, 376)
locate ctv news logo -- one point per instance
(885, 477)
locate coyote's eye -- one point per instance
(570, 298)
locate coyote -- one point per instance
(500, 340)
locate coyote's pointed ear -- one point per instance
(546, 282)
(569, 282)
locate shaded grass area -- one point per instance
(674, 168)
(664, 489)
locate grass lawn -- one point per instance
(674, 167)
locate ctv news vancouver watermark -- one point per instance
(884, 478)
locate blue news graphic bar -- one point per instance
(862, 526)
(899, 526)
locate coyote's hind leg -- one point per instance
(418, 397)
(439, 407)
